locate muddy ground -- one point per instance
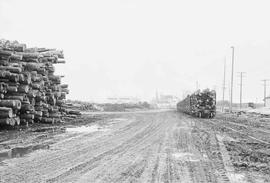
(152, 146)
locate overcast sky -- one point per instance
(133, 48)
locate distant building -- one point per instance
(122, 100)
(165, 101)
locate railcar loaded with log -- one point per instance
(201, 104)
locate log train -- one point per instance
(201, 104)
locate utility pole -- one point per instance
(197, 85)
(231, 101)
(241, 87)
(157, 98)
(224, 82)
(264, 84)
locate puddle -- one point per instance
(86, 129)
(186, 157)
(21, 151)
(113, 121)
(119, 119)
(49, 129)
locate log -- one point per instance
(63, 96)
(2, 80)
(53, 109)
(9, 77)
(4, 121)
(15, 57)
(4, 62)
(10, 97)
(60, 102)
(36, 60)
(60, 62)
(12, 89)
(12, 84)
(42, 71)
(65, 90)
(57, 94)
(19, 47)
(37, 85)
(38, 114)
(3, 74)
(3, 87)
(5, 53)
(27, 78)
(11, 69)
(71, 116)
(27, 116)
(17, 120)
(14, 46)
(45, 113)
(32, 66)
(64, 86)
(51, 100)
(37, 78)
(14, 104)
(29, 56)
(55, 115)
(74, 112)
(54, 52)
(23, 88)
(47, 120)
(27, 107)
(56, 88)
(6, 112)
(21, 78)
(40, 98)
(10, 121)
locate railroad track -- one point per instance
(242, 125)
(242, 133)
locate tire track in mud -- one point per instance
(143, 146)
(156, 165)
(152, 147)
(89, 165)
(207, 143)
(152, 144)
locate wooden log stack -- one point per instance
(29, 90)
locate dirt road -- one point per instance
(157, 146)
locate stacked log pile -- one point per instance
(29, 90)
(200, 104)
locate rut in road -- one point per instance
(146, 147)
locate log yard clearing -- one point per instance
(156, 146)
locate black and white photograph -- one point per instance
(134, 91)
